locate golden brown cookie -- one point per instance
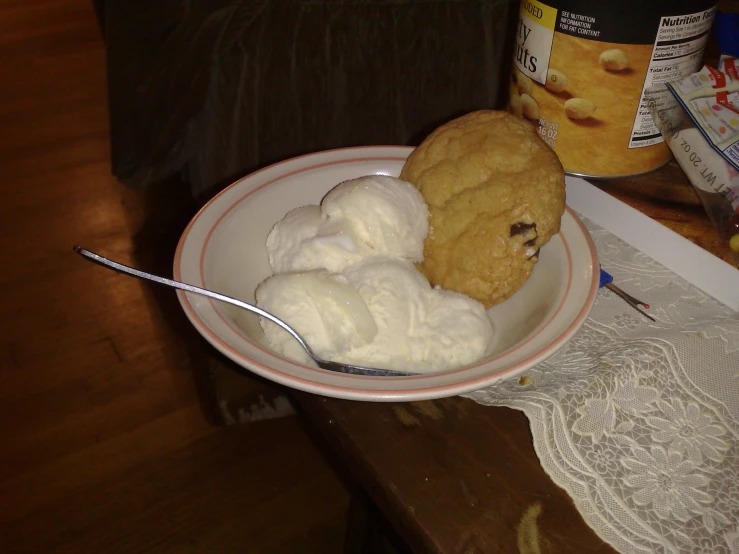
(496, 194)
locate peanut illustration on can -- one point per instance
(613, 60)
(530, 107)
(525, 84)
(556, 81)
(579, 108)
(514, 101)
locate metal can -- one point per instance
(582, 72)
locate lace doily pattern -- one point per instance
(639, 421)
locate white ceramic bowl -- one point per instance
(223, 249)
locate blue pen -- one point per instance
(606, 280)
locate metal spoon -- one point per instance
(325, 364)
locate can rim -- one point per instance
(622, 176)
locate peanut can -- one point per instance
(583, 72)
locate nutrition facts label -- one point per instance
(677, 52)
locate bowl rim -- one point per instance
(394, 154)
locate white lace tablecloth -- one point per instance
(639, 421)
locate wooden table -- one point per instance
(455, 477)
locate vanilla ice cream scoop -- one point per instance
(368, 216)
(419, 328)
(389, 216)
(381, 313)
(322, 307)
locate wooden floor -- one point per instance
(105, 446)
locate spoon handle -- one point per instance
(110, 264)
